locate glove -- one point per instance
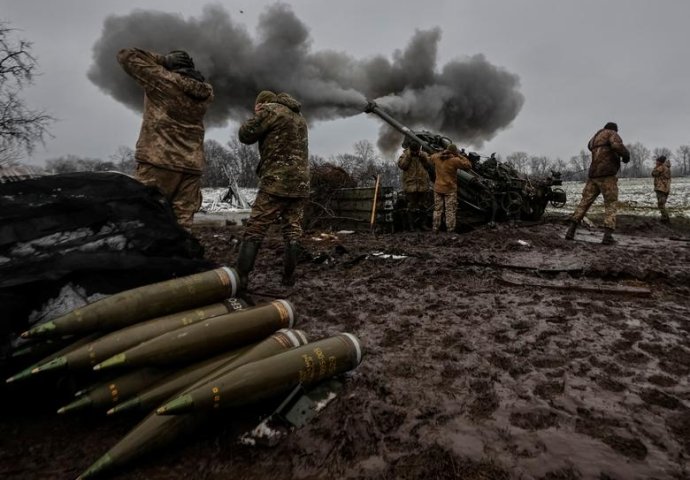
(625, 158)
(177, 59)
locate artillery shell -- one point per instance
(152, 397)
(157, 431)
(73, 346)
(208, 337)
(105, 347)
(142, 303)
(278, 374)
(114, 391)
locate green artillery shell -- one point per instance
(76, 344)
(142, 303)
(166, 388)
(280, 373)
(157, 431)
(105, 347)
(109, 393)
(154, 432)
(208, 337)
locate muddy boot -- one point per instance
(292, 249)
(570, 234)
(608, 237)
(245, 261)
(411, 221)
(420, 221)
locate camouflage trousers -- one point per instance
(661, 198)
(267, 209)
(608, 187)
(181, 189)
(449, 203)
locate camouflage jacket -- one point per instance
(662, 178)
(283, 145)
(172, 131)
(415, 178)
(447, 165)
(607, 152)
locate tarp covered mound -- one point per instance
(103, 232)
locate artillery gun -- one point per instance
(491, 190)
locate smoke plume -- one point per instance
(468, 100)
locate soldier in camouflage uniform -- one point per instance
(170, 148)
(662, 185)
(415, 180)
(446, 165)
(607, 153)
(283, 171)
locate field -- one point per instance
(504, 353)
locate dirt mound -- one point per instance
(465, 375)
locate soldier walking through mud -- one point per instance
(607, 153)
(170, 148)
(415, 179)
(662, 186)
(446, 165)
(281, 131)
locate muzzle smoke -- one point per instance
(468, 100)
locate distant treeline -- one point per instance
(238, 161)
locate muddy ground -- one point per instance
(484, 360)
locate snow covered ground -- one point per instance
(635, 196)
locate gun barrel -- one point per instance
(372, 107)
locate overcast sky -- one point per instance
(580, 64)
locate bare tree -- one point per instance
(579, 166)
(639, 154)
(219, 164)
(74, 163)
(682, 157)
(245, 160)
(519, 161)
(123, 159)
(539, 166)
(20, 126)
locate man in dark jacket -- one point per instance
(415, 182)
(607, 153)
(283, 171)
(170, 149)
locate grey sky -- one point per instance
(580, 63)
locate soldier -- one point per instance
(170, 149)
(415, 179)
(607, 153)
(446, 164)
(662, 185)
(283, 174)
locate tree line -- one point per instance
(22, 127)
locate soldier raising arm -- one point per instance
(169, 151)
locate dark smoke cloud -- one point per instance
(468, 100)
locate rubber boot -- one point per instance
(420, 221)
(292, 249)
(570, 234)
(608, 237)
(245, 261)
(412, 225)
